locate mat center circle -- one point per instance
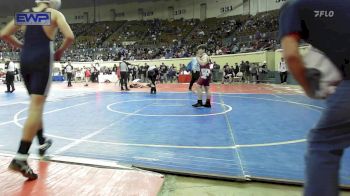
(166, 107)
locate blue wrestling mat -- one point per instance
(243, 136)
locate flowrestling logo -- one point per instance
(33, 18)
(324, 13)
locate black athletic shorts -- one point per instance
(36, 70)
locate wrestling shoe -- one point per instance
(23, 168)
(43, 148)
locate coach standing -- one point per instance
(10, 75)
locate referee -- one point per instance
(194, 72)
(69, 71)
(324, 25)
(10, 76)
(124, 74)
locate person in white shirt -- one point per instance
(124, 75)
(283, 71)
(69, 71)
(97, 71)
(10, 76)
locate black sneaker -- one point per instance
(43, 148)
(23, 168)
(197, 105)
(207, 105)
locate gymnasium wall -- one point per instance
(131, 11)
(181, 9)
(186, 9)
(257, 6)
(255, 57)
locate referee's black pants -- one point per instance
(153, 84)
(69, 78)
(10, 78)
(283, 76)
(194, 78)
(124, 79)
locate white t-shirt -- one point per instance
(11, 67)
(151, 68)
(123, 67)
(69, 68)
(283, 66)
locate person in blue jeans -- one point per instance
(324, 25)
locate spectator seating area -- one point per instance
(163, 39)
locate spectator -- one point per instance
(69, 71)
(283, 71)
(228, 74)
(10, 76)
(216, 71)
(254, 72)
(87, 74)
(236, 69)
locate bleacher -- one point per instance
(169, 39)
